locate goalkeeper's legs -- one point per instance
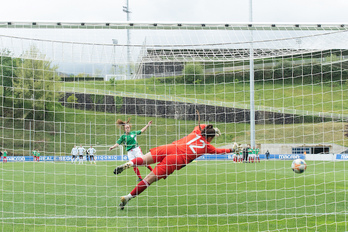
(141, 186)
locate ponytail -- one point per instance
(121, 123)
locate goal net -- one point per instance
(279, 89)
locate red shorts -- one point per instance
(159, 153)
(168, 165)
(168, 158)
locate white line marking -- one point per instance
(85, 193)
(179, 216)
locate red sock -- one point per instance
(149, 167)
(136, 170)
(142, 185)
(138, 161)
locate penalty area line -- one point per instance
(174, 216)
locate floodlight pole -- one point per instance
(251, 69)
(115, 42)
(29, 138)
(126, 10)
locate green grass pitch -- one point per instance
(204, 196)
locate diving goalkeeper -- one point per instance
(173, 157)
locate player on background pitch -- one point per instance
(81, 152)
(38, 155)
(129, 138)
(173, 157)
(4, 159)
(73, 154)
(34, 154)
(91, 152)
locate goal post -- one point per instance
(63, 84)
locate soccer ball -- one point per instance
(299, 165)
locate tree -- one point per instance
(7, 66)
(97, 72)
(37, 84)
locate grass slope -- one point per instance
(323, 97)
(75, 125)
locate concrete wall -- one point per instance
(177, 110)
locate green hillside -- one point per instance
(76, 124)
(328, 98)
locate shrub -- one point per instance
(193, 72)
(72, 99)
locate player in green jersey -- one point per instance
(257, 156)
(4, 156)
(34, 155)
(37, 156)
(129, 138)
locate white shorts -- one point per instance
(134, 153)
(240, 156)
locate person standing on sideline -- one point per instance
(73, 154)
(129, 138)
(81, 152)
(91, 152)
(267, 154)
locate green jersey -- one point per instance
(5, 153)
(255, 151)
(37, 154)
(129, 140)
(34, 153)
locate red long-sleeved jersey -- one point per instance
(191, 147)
